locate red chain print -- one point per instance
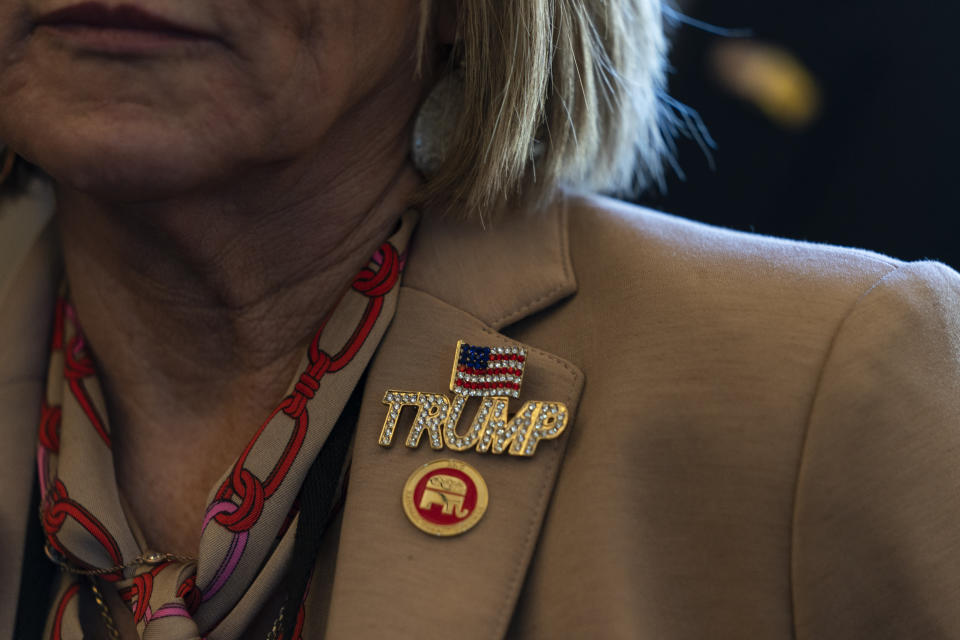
(68, 595)
(78, 365)
(168, 590)
(50, 427)
(190, 594)
(241, 482)
(57, 504)
(140, 591)
(58, 507)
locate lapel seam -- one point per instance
(493, 331)
(575, 372)
(504, 321)
(569, 282)
(461, 268)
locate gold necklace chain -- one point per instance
(146, 558)
(108, 621)
(114, 632)
(277, 624)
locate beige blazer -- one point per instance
(765, 443)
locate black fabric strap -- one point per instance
(318, 502)
(36, 577)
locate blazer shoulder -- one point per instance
(876, 491)
(644, 248)
(656, 236)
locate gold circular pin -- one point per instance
(445, 498)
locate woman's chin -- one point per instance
(119, 182)
(126, 171)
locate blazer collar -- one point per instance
(391, 579)
(514, 266)
(28, 268)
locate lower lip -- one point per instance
(123, 42)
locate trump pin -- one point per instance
(493, 375)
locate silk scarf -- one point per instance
(248, 530)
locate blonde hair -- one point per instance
(582, 78)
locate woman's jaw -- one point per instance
(146, 99)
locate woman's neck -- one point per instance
(198, 309)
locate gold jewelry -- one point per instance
(145, 558)
(108, 622)
(114, 632)
(277, 625)
(492, 374)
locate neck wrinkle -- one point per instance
(195, 342)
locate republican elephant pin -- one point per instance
(445, 498)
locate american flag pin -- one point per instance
(487, 371)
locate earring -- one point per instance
(436, 123)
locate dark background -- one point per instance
(876, 168)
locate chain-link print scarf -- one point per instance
(248, 530)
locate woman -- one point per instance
(749, 437)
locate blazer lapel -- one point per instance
(28, 267)
(501, 273)
(391, 579)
